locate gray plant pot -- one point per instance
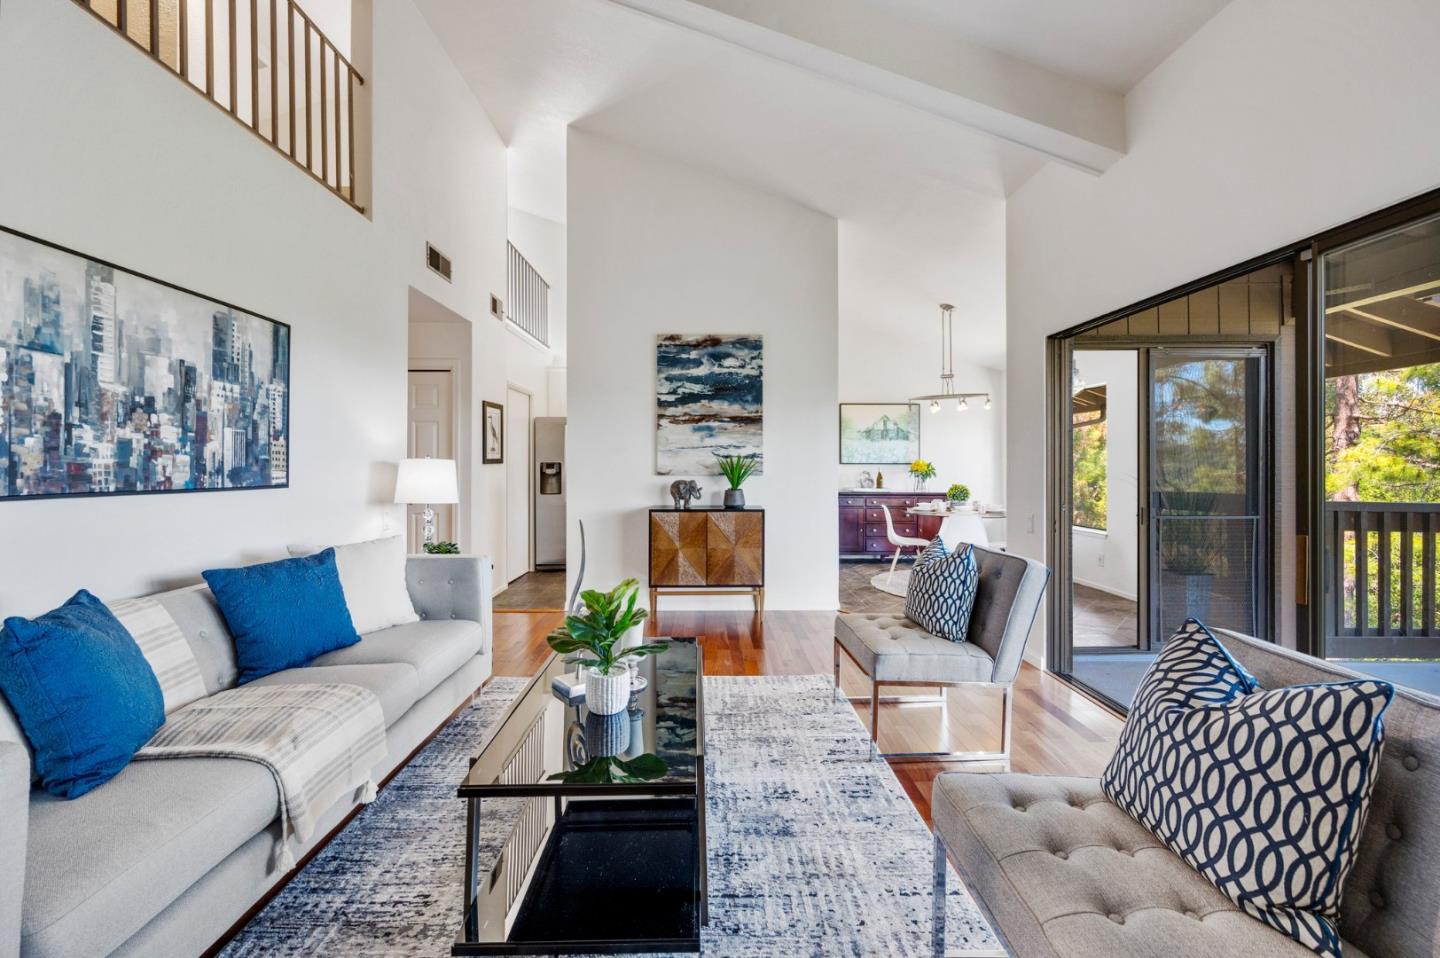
(734, 498)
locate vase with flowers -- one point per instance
(922, 471)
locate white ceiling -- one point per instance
(921, 193)
(1114, 43)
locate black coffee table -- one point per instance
(609, 857)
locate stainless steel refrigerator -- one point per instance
(549, 492)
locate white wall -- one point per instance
(656, 247)
(1110, 560)
(1227, 160)
(191, 197)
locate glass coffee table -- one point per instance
(595, 837)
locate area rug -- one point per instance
(897, 583)
(814, 849)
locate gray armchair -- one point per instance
(892, 650)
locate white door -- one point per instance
(517, 483)
(431, 433)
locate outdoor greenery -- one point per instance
(736, 469)
(1382, 444)
(1088, 494)
(608, 616)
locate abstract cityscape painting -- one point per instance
(879, 433)
(114, 383)
(709, 399)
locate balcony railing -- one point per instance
(264, 62)
(1381, 582)
(527, 303)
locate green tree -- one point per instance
(1089, 480)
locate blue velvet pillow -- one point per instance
(82, 692)
(283, 614)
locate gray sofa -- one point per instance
(163, 859)
(1062, 871)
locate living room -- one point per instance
(1191, 323)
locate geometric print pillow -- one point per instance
(942, 588)
(1264, 793)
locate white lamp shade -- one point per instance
(426, 481)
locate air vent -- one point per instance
(437, 261)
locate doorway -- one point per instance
(1164, 476)
(430, 435)
(518, 415)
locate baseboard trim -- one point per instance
(279, 886)
(1108, 590)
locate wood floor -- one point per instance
(1058, 730)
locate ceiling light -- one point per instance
(947, 368)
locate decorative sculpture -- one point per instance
(682, 491)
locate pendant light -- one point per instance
(947, 368)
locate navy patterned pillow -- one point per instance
(942, 591)
(1264, 793)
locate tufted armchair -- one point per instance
(892, 650)
(1062, 872)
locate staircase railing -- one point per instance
(265, 63)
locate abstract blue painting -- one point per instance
(709, 398)
(113, 383)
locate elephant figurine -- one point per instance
(682, 491)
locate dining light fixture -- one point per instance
(947, 369)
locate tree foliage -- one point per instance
(1090, 485)
(1382, 436)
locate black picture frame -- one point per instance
(289, 341)
(487, 411)
(840, 434)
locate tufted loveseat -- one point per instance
(1063, 872)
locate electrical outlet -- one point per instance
(1100, 560)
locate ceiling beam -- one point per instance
(1061, 117)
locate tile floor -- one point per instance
(1102, 619)
(858, 595)
(533, 591)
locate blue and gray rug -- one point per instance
(814, 849)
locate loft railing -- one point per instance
(527, 302)
(264, 62)
(1381, 584)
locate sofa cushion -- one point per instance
(941, 594)
(396, 685)
(1263, 792)
(82, 691)
(283, 614)
(1065, 872)
(434, 649)
(893, 649)
(372, 575)
(99, 867)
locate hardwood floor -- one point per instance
(1058, 730)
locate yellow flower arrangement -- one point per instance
(922, 469)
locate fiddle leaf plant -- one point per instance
(595, 632)
(736, 469)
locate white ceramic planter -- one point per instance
(607, 694)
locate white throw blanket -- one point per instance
(320, 742)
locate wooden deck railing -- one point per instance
(1381, 584)
(264, 62)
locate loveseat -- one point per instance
(166, 857)
(1063, 872)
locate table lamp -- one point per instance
(427, 482)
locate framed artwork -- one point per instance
(709, 398)
(879, 433)
(492, 416)
(116, 383)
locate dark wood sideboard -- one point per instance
(862, 523)
(707, 551)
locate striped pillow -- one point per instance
(164, 647)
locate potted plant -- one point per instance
(442, 548)
(958, 494)
(597, 634)
(736, 469)
(922, 471)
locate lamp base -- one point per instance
(428, 517)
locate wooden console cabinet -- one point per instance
(862, 523)
(707, 551)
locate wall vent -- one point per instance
(438, 262)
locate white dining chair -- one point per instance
(901, 543)
(960, 528)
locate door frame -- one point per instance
(458, 419)
(529, 481)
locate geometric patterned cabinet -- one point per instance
(707, 551)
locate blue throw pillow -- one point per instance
(283, 614)
(941, 595)
(82, 692)
(1264, 792)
